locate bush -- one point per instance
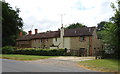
(8, 50)
(33, 51)
(41, 52)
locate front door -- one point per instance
(82, 52)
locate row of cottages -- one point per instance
(80, 40)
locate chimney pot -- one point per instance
(36, 30)
(29, 32)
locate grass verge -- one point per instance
(104, 65)
(24, 57)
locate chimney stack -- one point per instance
(29, 32)
(36, 31)
(20, 34)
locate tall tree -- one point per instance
(101, 25)
(75, 25)
(116, 20)
(11, 24)
(109, 32)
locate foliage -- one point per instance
(33, 51)
(109, 31)
(24, 57)
(8, 50)
(116, 20)
(75, 25)
(11, 24)
(41, 52)
(101, 26)
(107, 35)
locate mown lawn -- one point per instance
(105, 65)
(24, 57)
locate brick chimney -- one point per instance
(20, 34)
(29, 32)
(36, 31)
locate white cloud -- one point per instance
(45, 14)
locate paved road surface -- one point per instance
(47, 65)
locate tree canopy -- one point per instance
(116, 20)
(11, 24)
(109, 32)
(75, 25)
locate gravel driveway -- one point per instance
(62, 61)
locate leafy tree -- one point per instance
(101, 25)
(105, 32)
(109, 32)
(11, 24)
(75, 25)
(116, 20)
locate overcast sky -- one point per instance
(46, 14)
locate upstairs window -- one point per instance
(41, 40)
(82, 38)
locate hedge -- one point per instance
(8, 50)
(33, 51)
(42, 52)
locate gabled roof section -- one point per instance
(25, 37)
(50, 34)
(85, 31)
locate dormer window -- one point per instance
(75, 32)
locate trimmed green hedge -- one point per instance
(33, 51)
(42, 52)
(8, 50)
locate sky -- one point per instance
(45, 15)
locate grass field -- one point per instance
(105, 65)
(24, 57)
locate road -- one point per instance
(41, 66)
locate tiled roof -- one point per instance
(25, 37)
(49, 34)
(85, 31)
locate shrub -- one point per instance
(8, 50)
(41, 52)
